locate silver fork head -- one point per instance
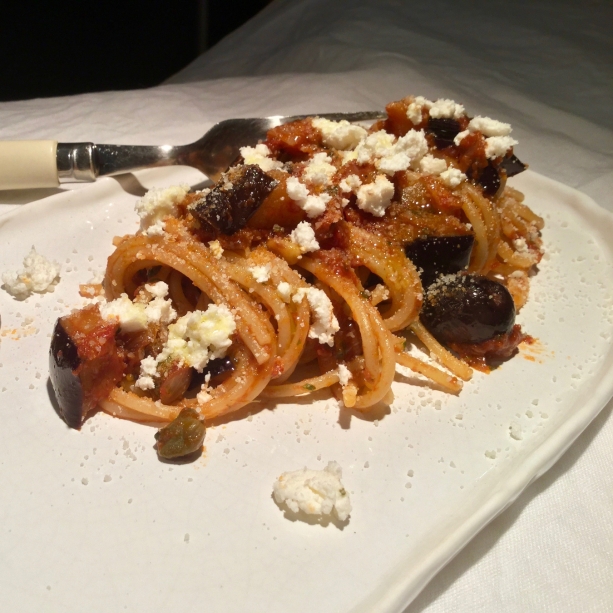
(220, 146)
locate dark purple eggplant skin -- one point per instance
(228, 209)
(512, 165)
(467, 309)
(489, 179)
(444, 130)
(63, 361)
(439, 255)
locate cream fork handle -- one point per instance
(28, 164)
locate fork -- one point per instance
(46, 163)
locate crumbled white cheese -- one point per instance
(130, 316)
(375, 145)
(158, 204)
(259, 155)
(444, 107)
(497, 146)
(199, 336)
(489, 127)
(135, 316)
(158, 289)
(520, 245)
(339, 134)
(414, 110)
(284, 289)
(459, 137)
(389, 154)
(350, 183)
(325, 324)
(203, 396)
(441, 108)
(497, 141)
(344, 375)
(452, 177)
(216, 249)
(375, 197)
(38, 275)
(304, 236)
(313, 205)
(295, 190)
(159, 309)
(407, 151)
(148, 370)
(314, 492)
(260, 273)
(319, 171)
(431, 165)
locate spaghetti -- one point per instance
(302, 255)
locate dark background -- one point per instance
(61, 48)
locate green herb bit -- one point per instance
(309, 387)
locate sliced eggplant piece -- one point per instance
(230, 204)
(182, 436)
(490, 180)
(512, 165)
(63, 362)
(466, 308)
(84, 363)
(444, 129)
(439, 255)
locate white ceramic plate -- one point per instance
(91, 520)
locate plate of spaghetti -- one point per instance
(396, 300)
(330, 243)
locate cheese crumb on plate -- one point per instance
(314, 492)
(38, 275)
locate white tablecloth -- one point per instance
(544, 67)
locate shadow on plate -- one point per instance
(25, 196)
(130, 184)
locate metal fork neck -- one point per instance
(75, 162)
(84, 162)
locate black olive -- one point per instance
(63, 360)
(467, 309)
(182, 436)
(216, 368)
(439, 255)
(444, 129)
(219, 366)
(490, 180)
(512, 165)
(230, 204)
